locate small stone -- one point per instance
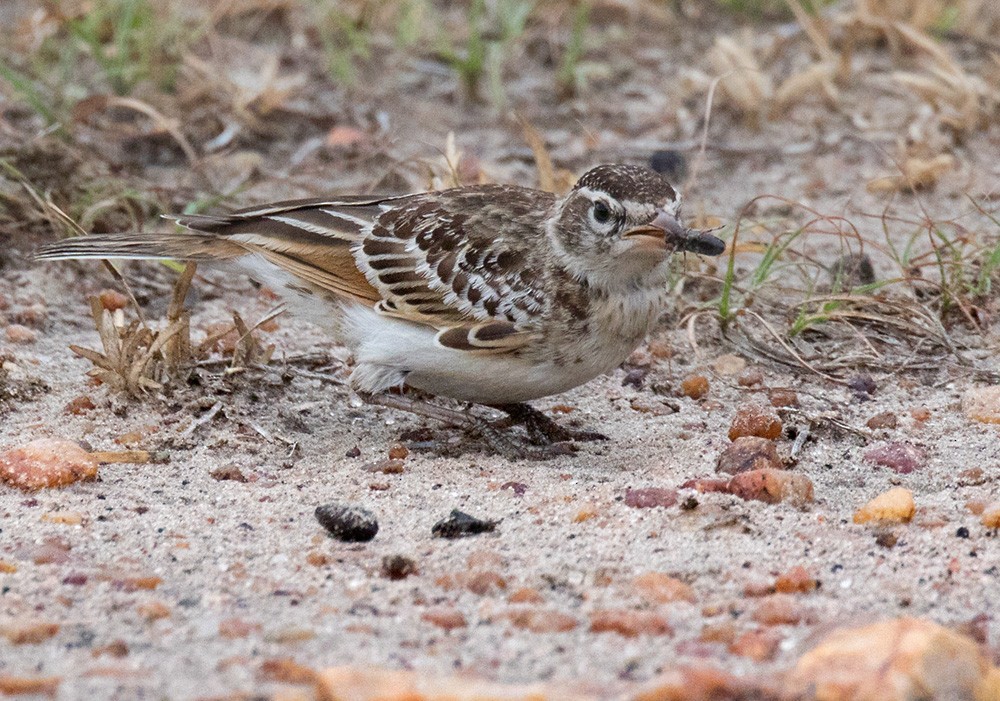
(781, 397)
(535, 620)
(446, 618)
(392, 466)
(748, 453)
(236, 628)
(862, 385)
(586, 512)
(79, 405)
(707, 484)
(21, 334)
(65, 518)
(526, 595)
(629, 623)
(28, 632)
(781, 610)
(991, 515)
(659, 588)
(652, 407)
(751, 377)
(971, 477)
(228, 473)
(694, 386)
(461, 525)
(797, 580)
(46, 462)
(42, 686)
(982, 404)
(920, 414)
(396, 567)
(350, 524)
(729, 365)
(756, 645)
(893, 506)
(894, 660)
(886, 419)
(485, 582)
(650, 497)
(886, 539)
(398, 451)
(112, 300)
(288, 671)
(901, 458)
(755, 420)
(517, 488)
(153, 610)
(772, 487)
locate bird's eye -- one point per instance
(601, 213)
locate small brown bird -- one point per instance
(492, 294)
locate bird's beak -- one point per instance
(666, 232)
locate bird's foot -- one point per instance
(546, 437)
(543, 430)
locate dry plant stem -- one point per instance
(134, 457)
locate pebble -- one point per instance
(991, 515)
(350, 524)
(757, 645)
(755, 420)
(729, 364)
(28, 632)
(893, 506)
(444, 617)
(660, 588)
(751, 377)
(982, 404)
(650, 497)
(886, 419)
(797, 580)
(782, 610)
(748, 453)
(922, 659)
(46, 462)
(536, 620)
(16, 333)
(460, 525)
(772, 486)
(783, 397)
(901, 458)
(396, 567)
(230, 473)
(694, 386)
(862, 385)
(41, 686)
(628, 623)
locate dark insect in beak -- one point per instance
(670, 233)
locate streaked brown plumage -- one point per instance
(493, 294)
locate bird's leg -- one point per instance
(541, 429)
(497, 440)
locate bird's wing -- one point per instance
(468, 262)
(310, 239)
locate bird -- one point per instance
(488, 294)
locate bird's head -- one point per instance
(619, 223)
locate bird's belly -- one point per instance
(390, 352)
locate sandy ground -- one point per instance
(247, 575)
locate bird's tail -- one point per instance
(182, 245)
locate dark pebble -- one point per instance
(460, 524)
(351, 524)
(397, 567)
(962, 532)
(863, 386)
